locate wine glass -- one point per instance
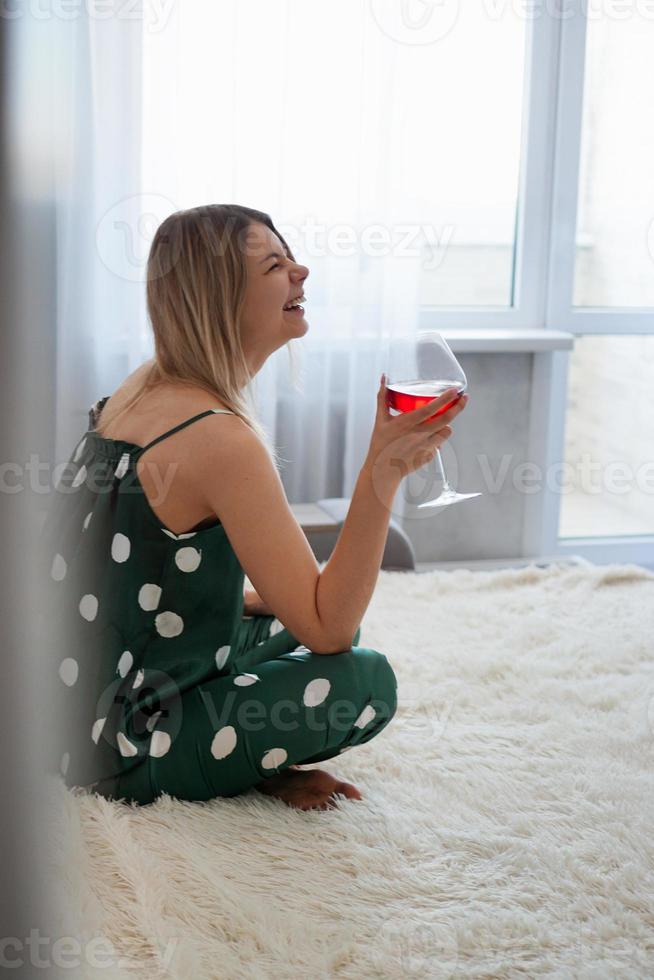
(419, 368)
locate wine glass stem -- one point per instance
(439, 462)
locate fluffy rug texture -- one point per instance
(505, 828)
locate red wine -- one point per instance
(405, 396)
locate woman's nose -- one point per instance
(301, 272)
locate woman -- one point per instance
(172, 678)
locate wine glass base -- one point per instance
(448, 497)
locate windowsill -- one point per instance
(464, 340)
(498, 341)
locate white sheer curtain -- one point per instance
(95, 73)
(290, 107)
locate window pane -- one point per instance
(463, 133)
(349, 112)
(608, 486)
(615, 224)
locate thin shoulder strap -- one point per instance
(182, 425)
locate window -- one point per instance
(604, 284)
(512, 155)
(614, 260)
(422, 138)
(608, 488)
(462, 140)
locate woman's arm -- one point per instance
(254, 604)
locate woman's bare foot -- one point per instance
(307, 789)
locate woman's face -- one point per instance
(273, 281)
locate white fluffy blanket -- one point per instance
(505, 830)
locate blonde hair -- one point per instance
(196, 284)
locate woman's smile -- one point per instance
(296, 310)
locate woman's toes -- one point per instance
(348, 790)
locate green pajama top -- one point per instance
(144, 614)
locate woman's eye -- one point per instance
(275, 266)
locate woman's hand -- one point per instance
(253, 604)
(403, 443)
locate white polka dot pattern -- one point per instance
(79, 450)
(125, 663)
(244, 680)
(276, 627)
(152, 720)
(120, 547)
(59, 568)
(159, 744)
(222, 656)
(80, 477)
(149, 596)
(87, 520)
(316, 691)
(224, 742)
(126, 748)
(88, 607)
(169, 624)
(68, 671)
(138, 680)
(123, 466)
(187, 559)
(274, 758)
(365, 717)
(96, 731)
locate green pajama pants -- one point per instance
(280, 705)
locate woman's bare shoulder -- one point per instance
(165, 403)
(180, 393)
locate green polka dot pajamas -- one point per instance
(164, 686)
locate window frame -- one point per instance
(569, 114)
(565, 39)
(544, 269)
(533, 217)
